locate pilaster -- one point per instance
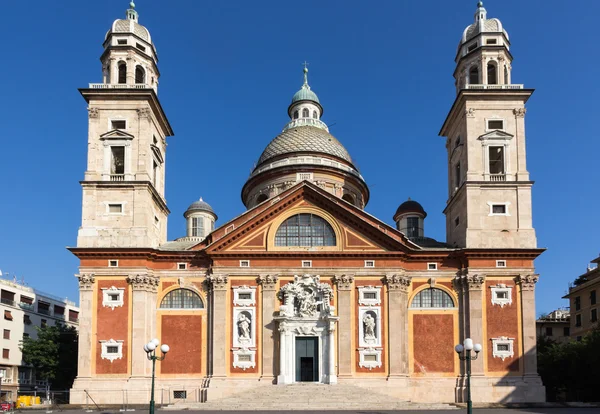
(398, 286)
(527, 287)
(144, 288)
(473, 286)
(268, 285)
(218, 288)
(344, 291)
(85, 346)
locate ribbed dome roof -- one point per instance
(199, 205)
(304, 139)
(410, 206)
(305, 94)
(482, 25)
(129, 26)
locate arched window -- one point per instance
(296, 114)
(305, 230)
(473, 75)
(261, 198)
(140, 75)
(315, 115)
(305, 113)
(492, 74)
(432, 298)
(182, 299)
(122, 72)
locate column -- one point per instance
(218, 286)
(398, 286)
(483, 78)
(461, 292)
(344, 304)
(474, 328)
(332, 374)
(268, 284)
(143, 323)
(86, 300)
(527, 285)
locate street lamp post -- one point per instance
(467, 347)
(150, 349)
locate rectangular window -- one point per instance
(306, 263)
(593, 297)
(117, 164)
(457, 176)
(6, 353)
(456, 221)
(412, 227)
(369, 263)
(197, 226)
(370, 295)
(8, 315)
(503, 347)
(472, 47)
(73, 316)
(6, 334)
(495, 124)
(500, 263)
(115, 208)
(502, 294)
(118, 124)
(566, 331)
(244, 358)
(244, 263)
(7, 297)
(370, 358)
(181, 266)
(491, 41)
(112, 349)
(431, 266)
(122, 41)
(594, 315)
(245, 296)
(578, 303)
(114, 297)
(549, 331)
(499, 209)
(154, 173)
(142, 48)
(26, 300)
(26, 320)
(113, 263)
(59, 310)
(578, 320)
(496, 160)
(180, 395)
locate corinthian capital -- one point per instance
(86, 281)
(92, 112)
(519, 112)
(343, 282)
(398, 282)
(143, 112)
(473, 282)
(268, 282)
(143, 281)
(527, 282)
(217, 282)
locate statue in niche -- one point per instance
(369, 327)
(243, 324)
(305, 303)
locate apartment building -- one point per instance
(583, 298)
(22, 308)
(555, 326)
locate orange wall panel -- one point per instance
(433, 343)
(183, 333)
(502, 321)
(112, 324)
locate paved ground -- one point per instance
(565, 410)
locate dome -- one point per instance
(305, 94)
(130, 26)
(304, 139)
(410, 206)
(482, 25)
(199, 205)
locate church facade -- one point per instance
(305, 286)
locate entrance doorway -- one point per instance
(307, 359)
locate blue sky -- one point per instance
(229, 70)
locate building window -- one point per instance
(472, 47)
(115, 208)
(502, 347)
(122, 72)
(496, 160)
(181, 266)
(498, 209)
(457, 176)
(432, 298)
(142, 48)
(6, 334)
(369, 263)
(578, 303)
(315, 115)
(244, 263)
(244, 295)
(117, 160)
(121, 41)
(113, 263)
(296, 114)
(26, 320)
(118, 124)
(474, 75)
(456, 221)
(369, 295)
(140, 75)
(154, 173)
(306, 263)
(491, 41)
(566, 331)
(577, 320)
(180, 395)
(594, 315)
(197, 226)
(412, 227)
(113, 297)
(494, 124)
(112, 349)
(548, 331)
(305, 113)
(8, 315)
(501, 295)
(500, 263)
(244, 358)
(492, 73)
(432, 266)
(6, 353)
(305, 230)
(182, 299)
(593, 297)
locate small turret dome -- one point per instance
(199, 205)
(130, 25)
(305, 94)
(482, 25)
(410, 206)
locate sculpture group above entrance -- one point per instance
(306, 297)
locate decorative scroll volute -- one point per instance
(86, 281)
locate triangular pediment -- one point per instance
(116, 134)
(356, 231)
(496, 135)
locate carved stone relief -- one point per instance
(306, 297)
(86, 281)
(143, 282)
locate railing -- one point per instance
(117, 177)
(44, 311)
(481, 86)
(497, 177)
(27, 306)
(119, 86)
(312, 160)
(72, 319)
(6, 301)
(306, 122)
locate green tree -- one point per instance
(53, 354)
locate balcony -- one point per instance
(119, 86)
(497, 177)
(26, 306)
(481, 86)
(117, 177)
(7, 301)
(45, 312)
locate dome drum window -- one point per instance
(305, 230)
(432, 298)
(182, 299)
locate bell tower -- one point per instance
(124, 188)
(489, 190)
